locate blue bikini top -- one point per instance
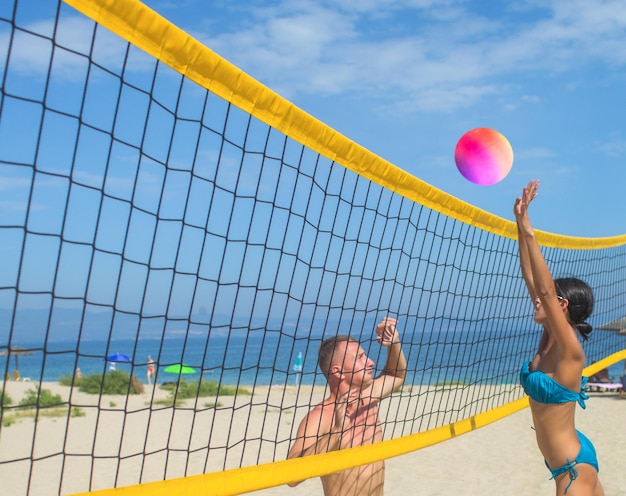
(544, 389)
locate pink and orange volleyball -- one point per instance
(483, 156)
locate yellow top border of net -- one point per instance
(146, 29)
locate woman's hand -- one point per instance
(523, 202)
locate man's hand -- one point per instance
(394, 371)
(386, 333)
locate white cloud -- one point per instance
(430, 55)
(613, 148)
(14, 206)
(530, 154)
(438, 54)
(30, 53)
(531, 98)
(74, 41)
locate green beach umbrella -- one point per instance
(179, 368)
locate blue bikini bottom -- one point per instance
(587, 454)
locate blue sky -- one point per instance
(404, 79)
(96, 223)
(407, 78)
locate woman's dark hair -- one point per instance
(580, 302)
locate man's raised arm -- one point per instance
(394, 372)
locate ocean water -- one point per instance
(260, 359)
(269, 358)
(228, 360)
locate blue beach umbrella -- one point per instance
(118, 357)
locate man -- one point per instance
(348, 417)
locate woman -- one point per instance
(150, 372)
(553, 379)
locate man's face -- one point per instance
(356, 368)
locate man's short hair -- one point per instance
(327, 351)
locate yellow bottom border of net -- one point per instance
(247, 479)
(254, 478)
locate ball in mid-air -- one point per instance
(483, 156)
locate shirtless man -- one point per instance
(348, 417)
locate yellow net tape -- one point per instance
(152, 33)
(242, 480)
(147, 30)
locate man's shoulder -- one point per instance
(319, 416)
(326, 407)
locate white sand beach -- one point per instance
(497, 459)
(500, 458)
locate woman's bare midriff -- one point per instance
(556, 435)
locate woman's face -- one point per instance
(540, 312)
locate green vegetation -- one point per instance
(194, 389)
(113, 382)
(137, 384)
(168, 402)
(40, 399)
(66, 380)
(77, 412)
(40, 403)
(49, 412)
(450, 384)
(6, 400)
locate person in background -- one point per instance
(348, 417)
(602, 376)
(150, 372)
(553, 379)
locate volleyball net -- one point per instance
(157, 201)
